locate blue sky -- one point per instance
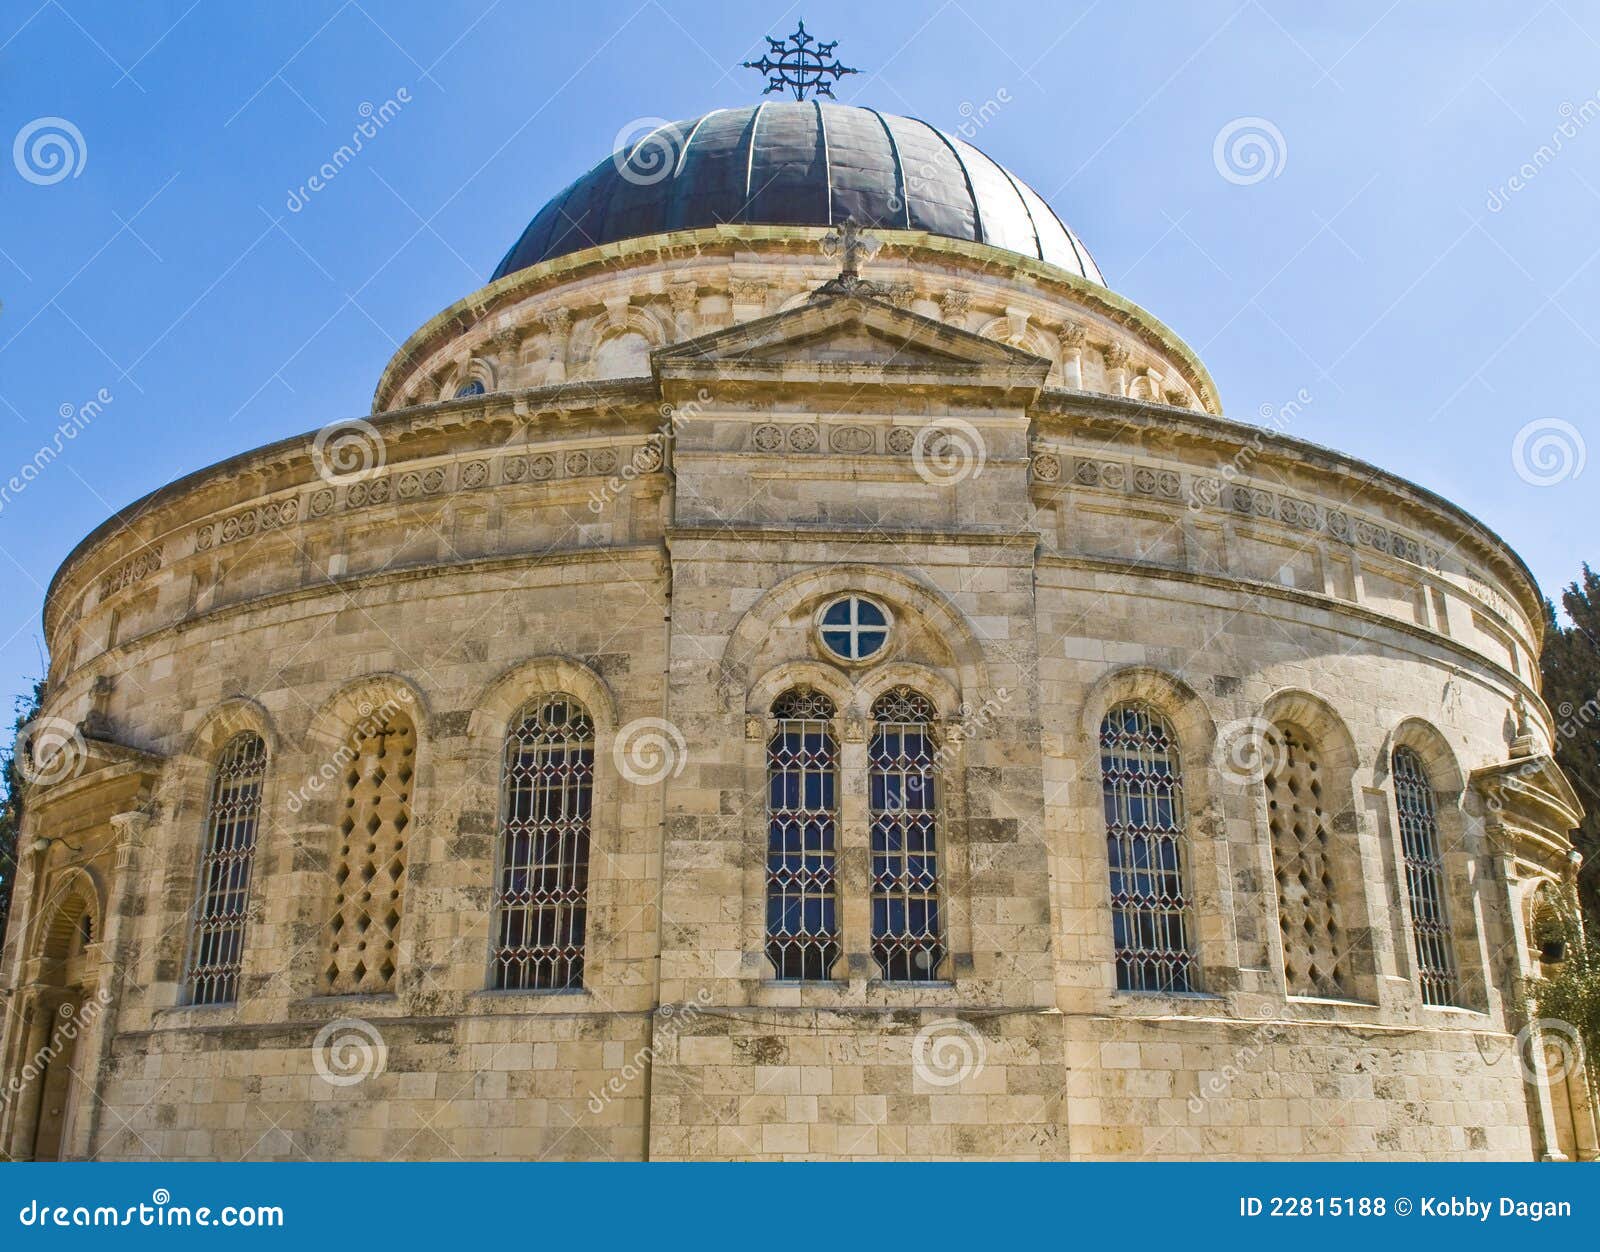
(1385, 267)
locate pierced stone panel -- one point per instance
(370, 865)
(1314, 937)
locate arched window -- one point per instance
(370, 858)
(907, 930)
(802, 833)
(1425, 887)
(541, 896)
(1306, 868)
(217, 950)
(1143, 789)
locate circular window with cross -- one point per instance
(853, 628)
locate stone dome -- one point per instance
(786, 163)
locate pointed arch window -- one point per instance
(1425, 882)
(907, 928)
(216, 953)
(802, 837)
(1142, 786)
(541, 890)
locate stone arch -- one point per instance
(362, 787)
(364, 698)
(1145, 385)
(1309, 812)
(186, 792)
(77, 893)
(921, 678)
(802, 592)
(1429, 743)
(1461, 846)
(484, 791)
(1205, 873)
(827, 679)
(495, 706)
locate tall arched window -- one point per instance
(541, 894)
(1306, 868)
(1143, 790)
(802, 834)
(907, 930)
(1425, 884)
(369, 865)
(217, 949)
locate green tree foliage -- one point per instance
(1571, 670)
(27, 708)
(1566, 1000)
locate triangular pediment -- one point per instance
(1533, 789)
(850, 339)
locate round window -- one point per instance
(853, 628)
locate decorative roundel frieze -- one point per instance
(767, 438)
(647, 456)
(850, 439)
(321, 501)
(577, 463)
(408, 485)
(474, 474)
(542, 466)
(514, 469)
(803, 438)
(1047, 467)
(603, 460)
(853, 628)
(900, 439)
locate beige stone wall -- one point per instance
(507, 555)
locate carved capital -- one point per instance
(748, 291)
(1072, 338)
(755, 728)
(685, 299)
(954, 304)
(1116, 355)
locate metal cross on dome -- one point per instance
(801, 63)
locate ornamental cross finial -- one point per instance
(847, 242)
(800, 63)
